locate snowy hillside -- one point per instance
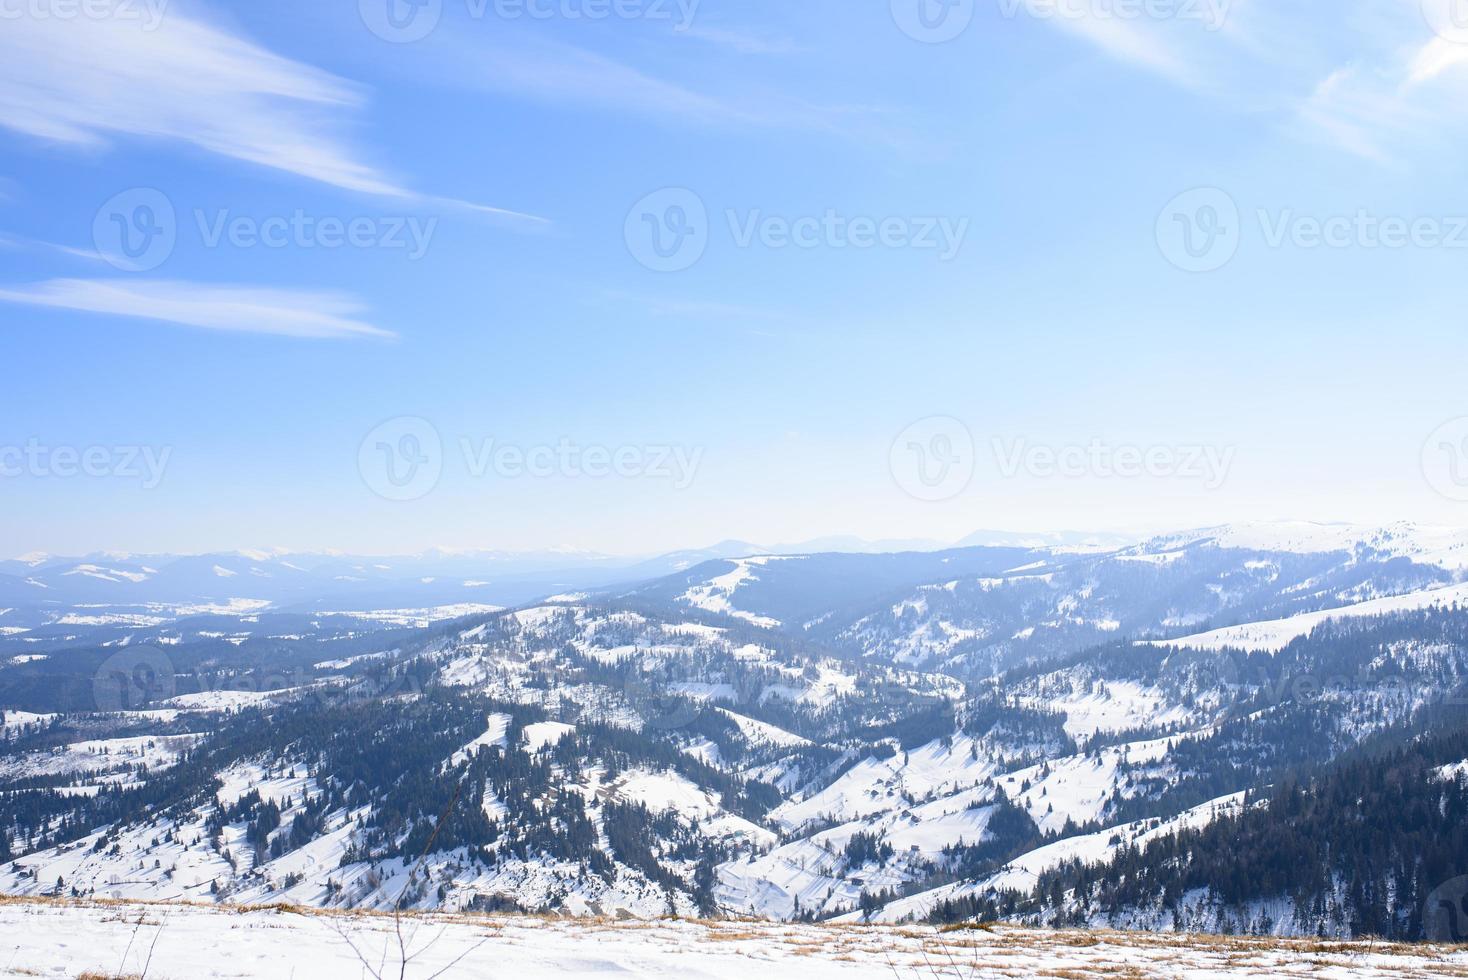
(929, 750)
(1275, 635)
(1444, 547)
(976, 611)
(1023, 873)
(775, 783)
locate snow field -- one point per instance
(62, 940)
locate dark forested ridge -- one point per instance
(1377, 846)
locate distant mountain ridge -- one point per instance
(983, 609)
(859, 596)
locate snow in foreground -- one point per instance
(55, 939)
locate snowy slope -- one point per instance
(1078, 789)
(1023, 872)
(816, 875)
(778, 780)
(1057, 604)
(718, 594)
(99, 756)
(494, 735)
(877, 786)
(1104, 706)
(15, 721)
(1458, 770)
(1275, 635)
(758, 731)
(1444, 547)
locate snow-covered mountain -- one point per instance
(943, 734)
(48, 602)
(977, 610)
(1444, 547)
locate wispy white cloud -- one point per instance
(662, 305)
(533, 67)
(86, 80)
(1376, 80)
(1436, 58)
(1360, 113)
(742, 42)
(239, 309)
(1387, 103)
(17, 242)
(1185, 41)
(560, 72)
(1157, 46)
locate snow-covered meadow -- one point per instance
(171, 942)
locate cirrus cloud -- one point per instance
(86, 80)
(238, 309)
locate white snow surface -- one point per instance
(64, 939)
(1445, 547)
(421, 617)
(16, 720)
(495, 734)
(1105, 706)
(1077, 789)
(1023, 872)
(1458, 770)
(545, 734)
(226, 700)
(758, 731)
(100, 756)
(717, 594)
(877, 786)
(1274, 635)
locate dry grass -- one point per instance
(961, 951)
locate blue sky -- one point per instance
(895, 253)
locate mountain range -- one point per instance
(1163, 734)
